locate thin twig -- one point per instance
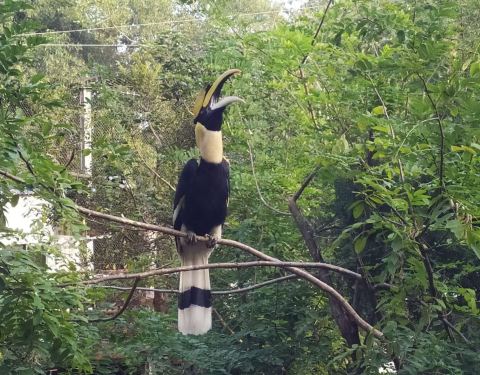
(258, 263)
(222, 321)
(305, 183)
(304, 60)
(258, 187)
(26, 162)
(156, 174)
(312, 43)
(30, 169)
(72, 156)
(214, 292)
(440, 129)
(431, 286)
(311, 112)
(124, 307)
(454, 329)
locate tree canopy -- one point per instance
(358, 146)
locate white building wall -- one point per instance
(28, 220)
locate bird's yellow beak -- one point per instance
(210, 96)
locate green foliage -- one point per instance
(42, 324)
(385, 104)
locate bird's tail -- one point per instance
(195, 299)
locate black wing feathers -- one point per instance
(184, 182)
(201, 198)
(226, 168)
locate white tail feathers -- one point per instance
(194, 303)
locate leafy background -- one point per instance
(383, 104)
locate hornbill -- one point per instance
(200, 207)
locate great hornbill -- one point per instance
(200, 207)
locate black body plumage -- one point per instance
(204, 188)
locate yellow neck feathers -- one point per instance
(209, 143)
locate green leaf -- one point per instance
(464, 149)
(473, 240)
(457, 228)
(36, 78)
(358, 209)
(378, 110)
(360, 243)
(475, 68)
(470, 297)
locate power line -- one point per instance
(184, 20)
(93, 45)
(107, 27)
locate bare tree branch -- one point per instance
(300, 272)
(214, 292)
(222, 322)
(258, 263)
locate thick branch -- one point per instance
(302, 273)
(348, 326)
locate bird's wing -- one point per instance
(185, 180)
(226, 168)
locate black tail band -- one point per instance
(195, 296)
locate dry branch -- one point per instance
(302, 273)
(261, 263)
(172, 232)
(214, 292)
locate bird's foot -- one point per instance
(191, 237)
(212, 241)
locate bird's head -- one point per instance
(209, 107)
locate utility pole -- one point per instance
(86, 131)
(86, 159)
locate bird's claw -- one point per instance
(212, 241)
(191, 237)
